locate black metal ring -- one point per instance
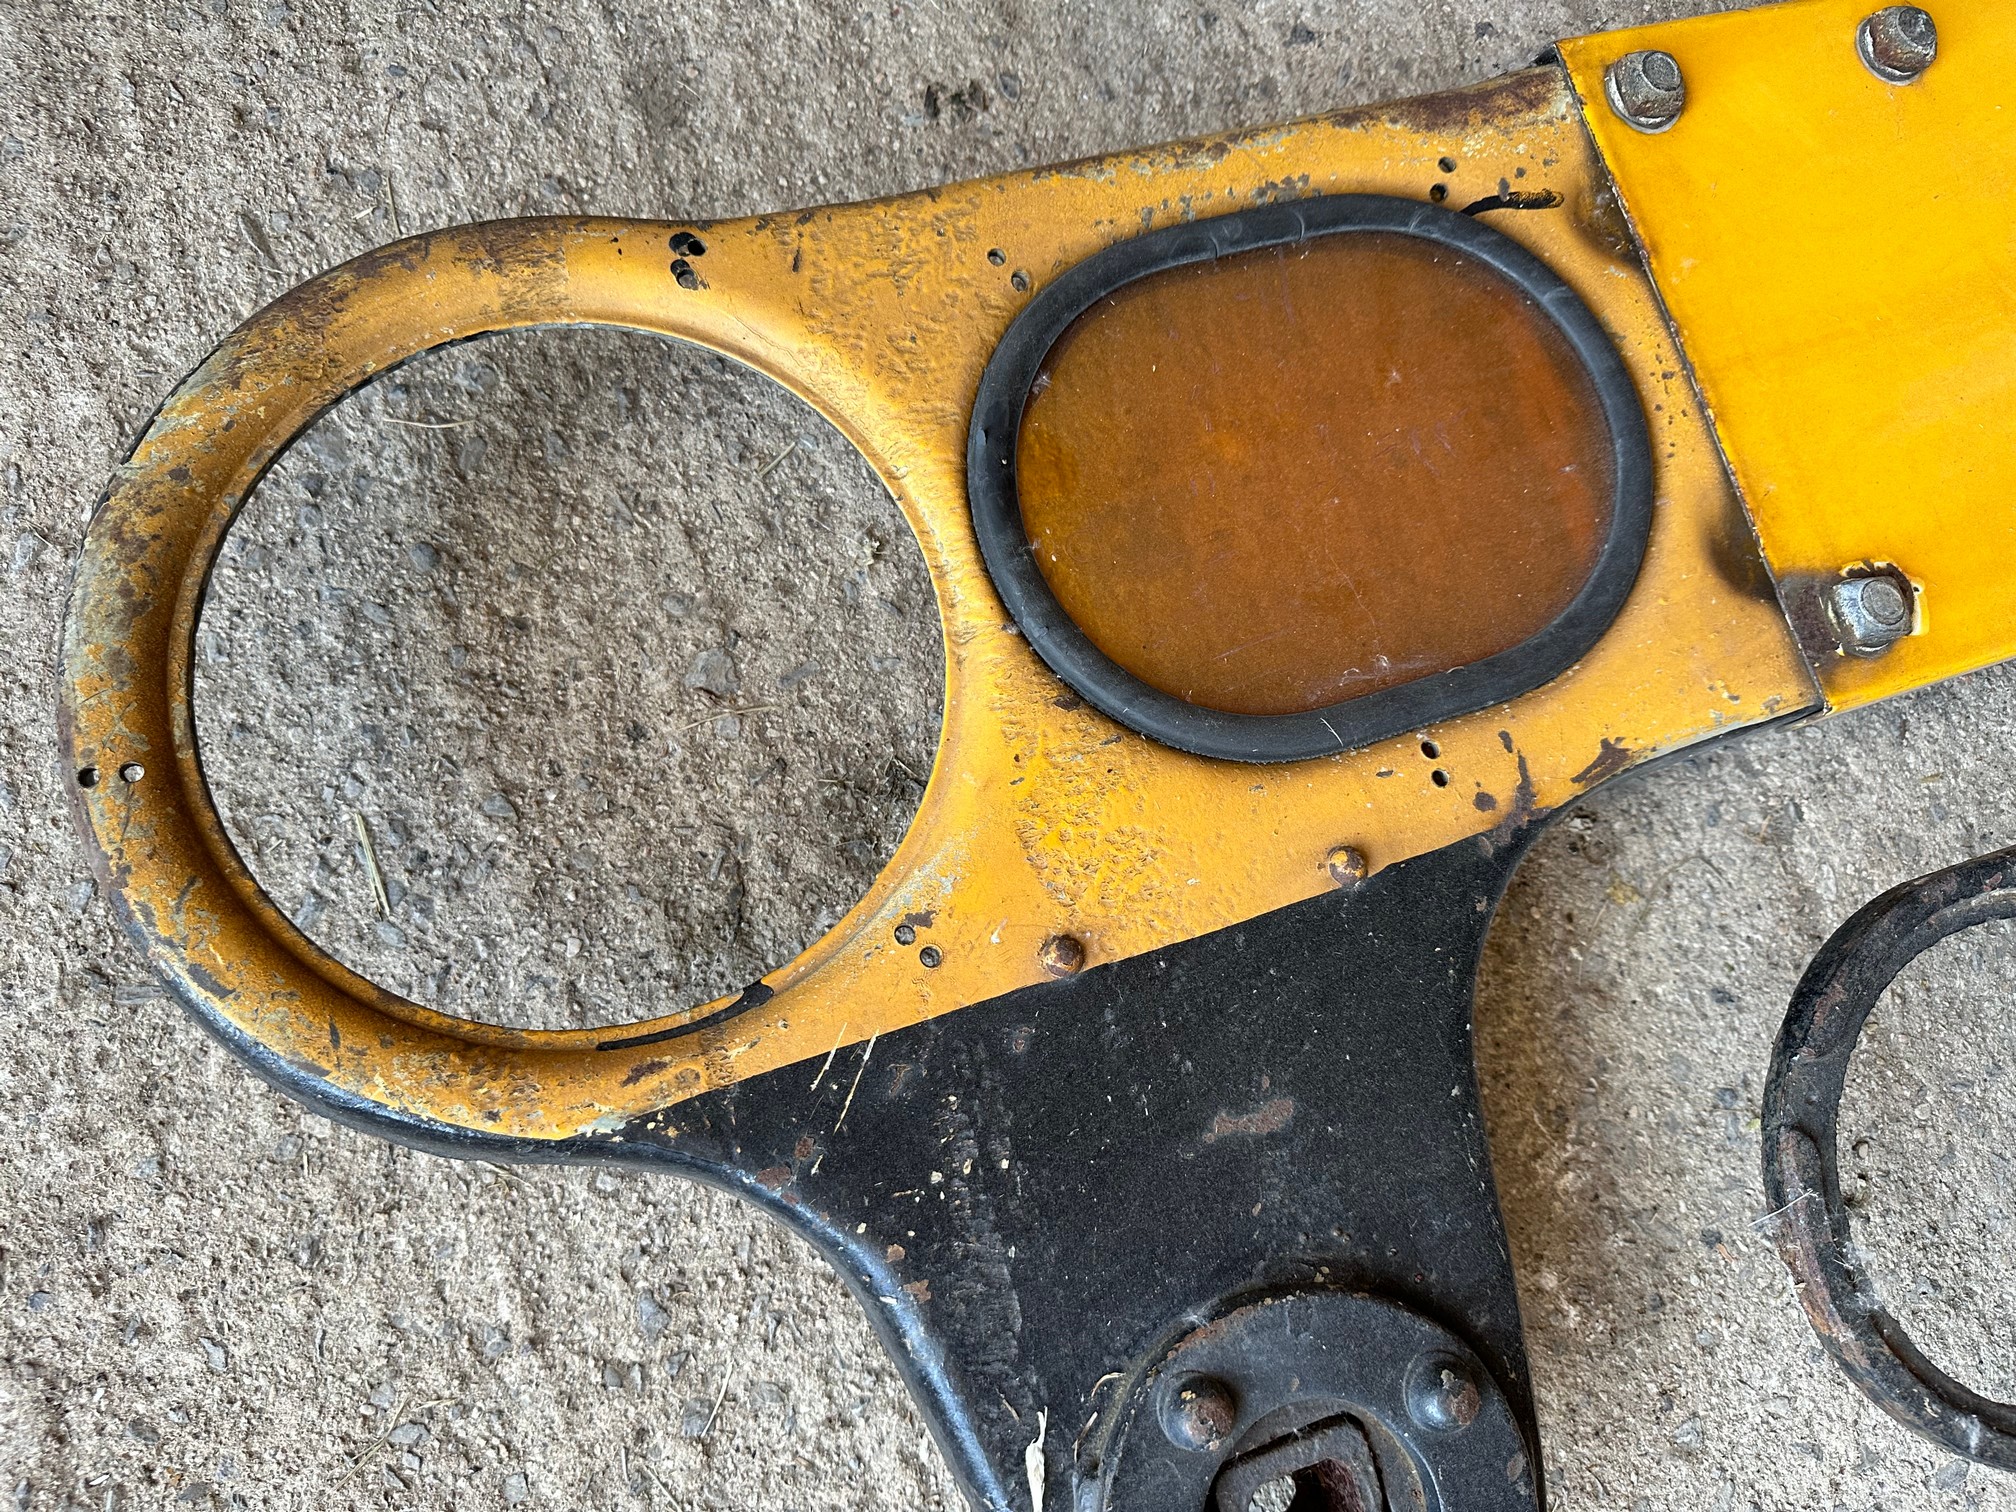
(1103, 683)
(1802, 1101)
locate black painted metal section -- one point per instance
(1035, 1193)
(1037, 1197)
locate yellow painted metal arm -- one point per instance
(1837, 251)
(1043, 822)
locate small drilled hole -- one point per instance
(1447, 165)
(996, 256)
(683, 274)
(905, 935)
(1430, 749)
(686, 244)
(87, 777)
(1439, 193)
(1020, 280)
(930, 955)
(132, 771)
(1439, 777)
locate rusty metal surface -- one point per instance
(1042, 820)
(1802, 1181)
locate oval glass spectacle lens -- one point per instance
(1289, 477)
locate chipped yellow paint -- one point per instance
(1838, 255)
(1041, 818)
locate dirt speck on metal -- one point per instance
(624, 663)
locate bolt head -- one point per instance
(1442, 1394)
(1871, 614)
(1199, 1412)
(1898, 43)
(1646, 90)
(1346, 865)
(1062, 955)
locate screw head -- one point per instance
(1062, 955)
(1646, 90)
(1898, 43)
(1199, 1412)
(1871, 614)
(1346, 865)
(1442, 1394)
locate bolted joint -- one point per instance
(1870, 613)
(1898, 43)
(1646, 90)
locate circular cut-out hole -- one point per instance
(931, 956)
(87, 777)
(1020, 280)
(132, 771)
(1439, 777)
(568, 678)
(997, 257)
(1927, 1148)
(1438, 192)
(1430, 749)
(1447, 164)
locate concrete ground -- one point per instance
(628, 670)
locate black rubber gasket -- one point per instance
(1802, 1180)
(1103, 683)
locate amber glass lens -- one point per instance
(1285, 478)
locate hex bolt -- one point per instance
(1062, 955)
(1442, 1396)
(1646, 90)
(1898, 43)
(1199, 1413)
(1871, 614)
(1346, 865)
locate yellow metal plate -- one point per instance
(1041, 818)
(1838, 255)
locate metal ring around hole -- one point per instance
(1802, 1102)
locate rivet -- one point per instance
(1898, 43)
(132, 771)
(1646, 90)
(1442, 1395)
(1199, 1412)
(1062, 955)
(1347, 866)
